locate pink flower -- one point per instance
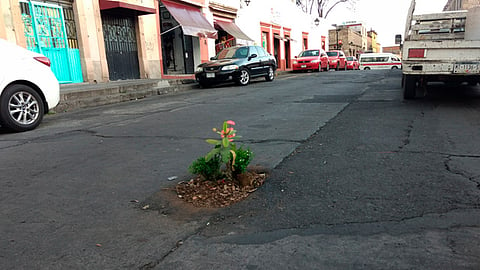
(230, 122)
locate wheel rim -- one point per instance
(270, 73)
(244, 77)
(23, 108)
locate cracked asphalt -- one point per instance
(360, 180)
(386, 184)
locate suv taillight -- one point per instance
(42, 59)
(416, 53)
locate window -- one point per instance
(261, 51)
(253, 50)
(233, 52)
(265, 40)
(309, 53)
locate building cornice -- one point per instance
(219, 8)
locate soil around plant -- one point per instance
(220, 193)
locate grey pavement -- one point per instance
(361, 180)
(85, 95)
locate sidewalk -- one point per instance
(83, 95)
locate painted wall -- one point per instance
(90, 40)
(11, 25)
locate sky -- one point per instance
(386, 17)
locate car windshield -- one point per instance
(349, 58)
(309, 53)
(233, 53)
(332, 53)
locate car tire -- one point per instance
(345, 67)
(409, 87)
(337, 68)
(243, 77)
(21, 108)
(394, 67)
(367, 68)
(270, 75)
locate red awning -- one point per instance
(125, 7)
(191, 20)
(233, 30)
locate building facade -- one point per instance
(372, 44)
(350, 37)
(107, 40)
(393, 49)
(460, 4)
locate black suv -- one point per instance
(238, 64)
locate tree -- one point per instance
(322, 7)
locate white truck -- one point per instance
(440, 47)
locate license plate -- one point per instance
(210, 75)
(467, 68)
(303, 66)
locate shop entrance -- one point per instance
(287, 53)
(120, 46)
(179, 51)
(276, 50)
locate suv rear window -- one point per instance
(332, 53)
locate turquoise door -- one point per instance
(46, 34)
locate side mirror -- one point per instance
(296, 56)
(252, 56)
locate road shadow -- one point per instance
(449, 93)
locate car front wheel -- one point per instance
(21, 108)
(270, 75)
(244, 77)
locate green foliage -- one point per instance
(244, 157)
(225, 153)
(210, 170)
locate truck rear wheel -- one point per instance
(409, 87)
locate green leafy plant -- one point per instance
(209, 170)
(244, 157)
(225, 153)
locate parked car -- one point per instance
(352, 63)
(238, 64)
(337, 60)
(314, 60)
(28, 87)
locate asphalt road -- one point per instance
(361, 180)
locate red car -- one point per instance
(337, 60)
(315, 60)
(352, 63)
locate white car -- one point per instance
(28, 87)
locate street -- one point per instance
(361, 179)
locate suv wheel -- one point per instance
(21, 108)
(270, 75)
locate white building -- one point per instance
(278, 26)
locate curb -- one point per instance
(85, 95)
